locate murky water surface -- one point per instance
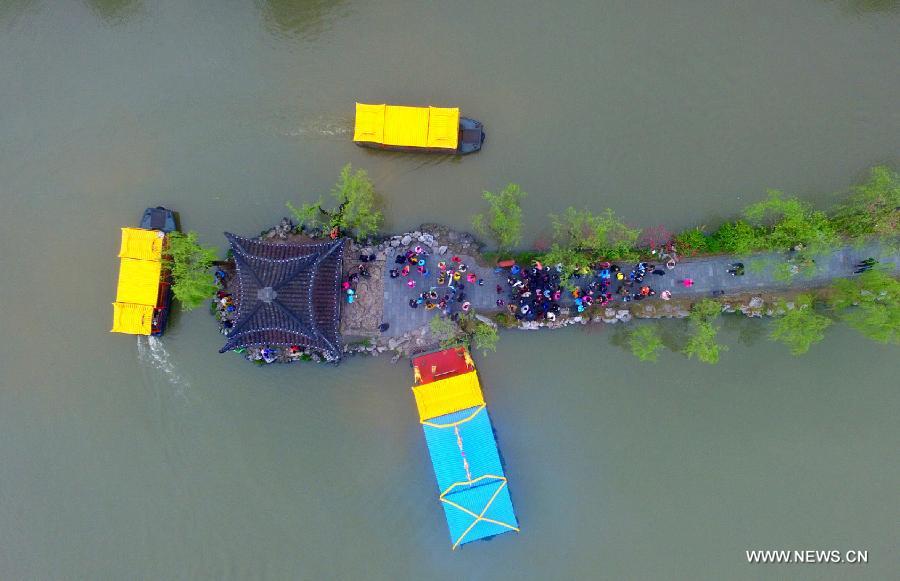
(164, 460)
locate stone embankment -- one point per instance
(379, 320)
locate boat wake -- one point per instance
(156, 359)
(321, 127)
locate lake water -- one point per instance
(123, 458)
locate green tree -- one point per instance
(703, 339)
(190, 263)
(503, 220)
(787, 222)
(645, 342)
(873, 209)
(870, 303)
(357, 212)
(357, 204)
(801, 327)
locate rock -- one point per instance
(623, 315)
(406, 240)
(428, 239)
(609, 313)
(530, 325)
(396, 342)
(396, 357)
(416, 234)
(790, 305)
(442, 250)
(381, 255)
(611, 321)
(395, 243)
(756, 302)
(485, 320)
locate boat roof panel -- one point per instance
(406, 126)
(443, 127)
(138, 281)
(427, 127)
(141, 244)
(448, 395)
(132, 319)
(369, 123)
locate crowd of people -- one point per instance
(535, 293)
(446, 288)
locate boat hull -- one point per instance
(471, 138)
(160, 218)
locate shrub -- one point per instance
(601, 235)
(801, 327)
(446, 331)
(870, 304)
(503, 220)
(645, 342)
(190, 264)
(692, 242)
(737, 237)
(466, 330)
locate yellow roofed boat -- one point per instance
(143, 294)
(431, 129)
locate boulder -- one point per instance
(485, 320)
(442, 250)
(406, 240)
(395, 243)
(756, 302)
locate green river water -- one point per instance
(136, 459)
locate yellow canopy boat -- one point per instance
(401, 128)
(143, 293)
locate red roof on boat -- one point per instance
(442, 364)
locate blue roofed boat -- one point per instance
(474, 491)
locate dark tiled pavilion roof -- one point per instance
(287, 294)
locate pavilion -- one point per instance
(286, 294)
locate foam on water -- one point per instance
(154, 356)
(321, 127)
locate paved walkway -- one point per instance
(709, 275)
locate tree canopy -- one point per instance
(870, 303)
(190, 263)
(357, 212)
(503, 220)
(788, 222)
(801, 327)
(702, 341)
(873, 209)
(645, 342)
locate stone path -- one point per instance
(709, 275)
